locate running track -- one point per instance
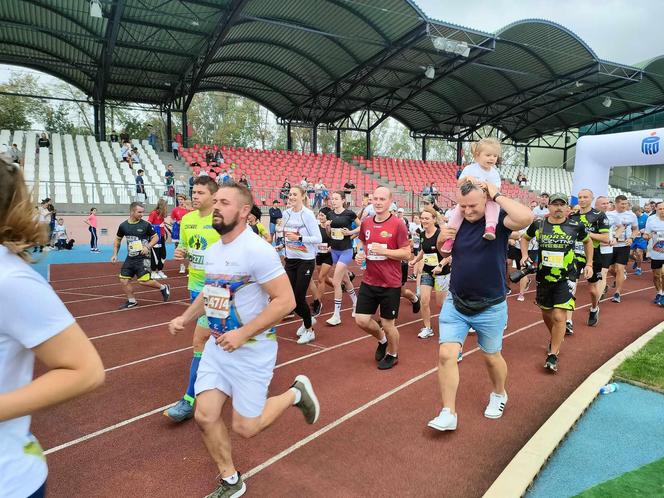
(371, 438)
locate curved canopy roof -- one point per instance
(319, 61)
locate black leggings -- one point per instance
(93, 237)
(157, 257)
(299, 273)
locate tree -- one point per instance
(57, 119)
(19, 113)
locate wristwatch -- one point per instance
(498, 194)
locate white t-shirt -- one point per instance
(22, 465)
(655, 227)
(302, 222)
(540, 212)
(44, 215)
(369, 210)
(233, 276)
(60, 231)
(474, 169)
(626, 219)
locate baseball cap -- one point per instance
(558, 197)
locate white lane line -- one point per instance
(143, 360)
(98, 296)
(128, 331)
(114, 284)
(140, 307)
(299, 444)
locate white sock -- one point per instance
(298, 395)
(383, 340)
(232, 479)
(131, 299)
(162, 287)
(353, 296)
(661, 293)
(337, 306)
(594, 309)
(416, 299)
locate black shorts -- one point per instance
(600, 261)
(554, 295)
(620, 255)
(404, 273)
(371, 296)
(656, 264)
(324, 258)
(416, 251)
(136, 267)
(514, 253)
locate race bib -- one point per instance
(658, 241)
(337, 234)
(296, 245)
(372, 255)
(442, 283)
(135, 246)
(323, 248)
(553, 259)
(431, 259)
(196, 259)
(217, 301)
(578, 247)
(606, 250)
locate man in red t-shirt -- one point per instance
(383, 243)
(176, 217)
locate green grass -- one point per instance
(646, 481)
(646, 366)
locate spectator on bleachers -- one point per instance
(434, 190)
(218, 157)
(224, 177)
(285, 188)
(244, 181)
(176, 150)
(208, 156)
(180, 186)
(125, 151)
(16, 154)
(43, 142)
(170, 181)
(152, 140)
(320, 192)
(135, 157)
(140, 187)
(275, 215)
(521, 179)
(124, 137)
(114, 136)
(431, 202)
(349, 188)
(191, 185)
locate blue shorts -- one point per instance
(489, 324)
(640, 243)
(175, 232)
(202, 321)
(345, 256)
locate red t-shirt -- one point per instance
(155, 219)
(391, 232)
(178, 213)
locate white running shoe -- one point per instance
(162, 274)
(183, 270)
(301, 330)
(520, 297)
(445, 421)
(154, 275)
(334, 320)
(307, 336)
(496, 405)
(425, 332)
(471, 330)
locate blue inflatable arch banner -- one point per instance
(597, 154)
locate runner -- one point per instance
(196, 235)
(324, 263)
(640, 244)
(602, 204)
(624, 226)
(157, 218)
(383, 244)
(597, 227)
(302, 236)
(141, 238)
(654, 231)
(177, 214)
(245, 294)
(405, 292)
(556, 236)
(339, 226)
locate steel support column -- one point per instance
(95, 115)
(525, 159)
(102, 121)
(459, 152)
(289, 137)
(169, 130)
(368, 153)
(185, 131)
(314, 139)
(337, 148)
(424, 149)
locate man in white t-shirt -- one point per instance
(654, 233)
(623, 224)
(246, 293)
(542, 209)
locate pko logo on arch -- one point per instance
(650, 145)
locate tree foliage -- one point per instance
(20, 113)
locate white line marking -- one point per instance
(142, 360)
(97, 296)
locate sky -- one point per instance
(622, 31)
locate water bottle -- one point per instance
(609, 388)
(360, 250)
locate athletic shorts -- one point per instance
(551, 295)
(404, 273)
(620, 255)
(656, 264)
(323, 258)
(345, 256)
(514, 253)
(244, 375)
(440, 283)
(175, 232)
(202, 320)
(136, 267)
(370, 297)
(490, 323)
(639, 243)
(416, 251)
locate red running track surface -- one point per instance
(371, 438)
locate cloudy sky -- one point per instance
(624, 31)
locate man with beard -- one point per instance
(246, 293)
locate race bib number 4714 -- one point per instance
(217, 301)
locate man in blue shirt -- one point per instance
(477, 296)
(140, 186)
(275, 214)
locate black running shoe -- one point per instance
(128, 304)
(351, 276)
(166, 292)
(551, 362)
(593, 318)
(380, 351)
(316, 308)
(569, 328)
(387, 362)
(416, 306)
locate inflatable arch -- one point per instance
(597, 154)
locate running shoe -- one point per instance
(634, 265)
(306, 336)
(183, 270)
(334, 320)
(551, 362)
(658, 299)
(301, 329)
(445, 421)
(128, 304)
(508, 291)
(417, 305)
(226, 490)
(489, 233)
(569, 328)
(351, 275)
(180, 412)
(387, 362)
(380, 351)
(593, 318)
(520, 297)
(316, 308)
(162, 274)
(166, 292)
(460, 357)
(638, 272)
(616, 297)
(154, 275)
(496, 405)
(425, 332)
(308, 403)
